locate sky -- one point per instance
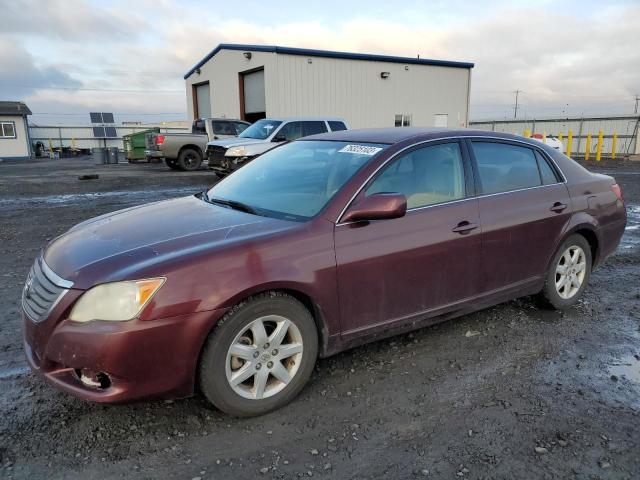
(65, 58)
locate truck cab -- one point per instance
(185, 151)
(227, 155)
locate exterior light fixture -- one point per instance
(309, 60)
(198, 71)
(384, 74)
(247, 55)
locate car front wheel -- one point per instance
(260, 355)
(568, 273)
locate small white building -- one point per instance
(14, 132)
(256, 81)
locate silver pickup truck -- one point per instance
(185, 151)
(227, 155)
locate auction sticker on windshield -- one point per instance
(360, 149)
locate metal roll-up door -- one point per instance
(203, 100)
(254, 101)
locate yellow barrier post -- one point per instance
(50, 146)
(560, 136)
(614, 144)
(599, 146)
(569, 142)
(527, 133)
(587, 148)
(544, 137)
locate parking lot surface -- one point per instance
(514, 391)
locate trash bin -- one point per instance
(112, 155)
(99, 154)
(134, 144)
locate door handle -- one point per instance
(558, 207)
(464, 227)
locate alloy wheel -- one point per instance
(264, 357)
(570, 272)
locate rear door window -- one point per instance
(337, 126)
(311, 128)
(223, 128)
(504, 167)
(198, 127)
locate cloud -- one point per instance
(69, 20)
(556, 53)
(21, 77)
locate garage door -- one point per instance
(203, 101)
(254, 102)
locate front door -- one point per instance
(524, 207)
(390, 270)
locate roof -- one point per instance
(393, 135)
(14, 108)
(303, 119)
(326, 53)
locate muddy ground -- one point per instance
(510, 392)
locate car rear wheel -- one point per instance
(189, 159)
(568, 273)
(171, 163)
(259, 356)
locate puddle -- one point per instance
(631, 237)
(75, 198)
(628, 367)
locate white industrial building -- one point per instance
(14, 134)
(256, 81)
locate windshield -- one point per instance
(261, 129)
(295, 181)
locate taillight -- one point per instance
(159, 139)
(615, 188)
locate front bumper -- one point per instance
(142, 359)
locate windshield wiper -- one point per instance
(230, 203)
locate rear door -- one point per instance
(391, 270)
(524, 206)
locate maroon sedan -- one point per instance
(317, 246)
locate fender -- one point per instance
(579, 221)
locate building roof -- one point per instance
(14, 108)
(327, 54)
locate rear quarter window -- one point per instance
(505, 167)
(311, 128)
(547, 173)
(337, 126)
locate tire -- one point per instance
(170, 163)
(218, 367)
(567, 295)
(189, 159)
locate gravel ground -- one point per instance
(510, 392)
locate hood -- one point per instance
(234, 142)
(118, 245)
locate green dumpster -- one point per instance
(134, 144)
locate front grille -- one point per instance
(42, 291)
(215, 154)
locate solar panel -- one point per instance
(96, 117)
(110, 132)
(99, 132)
(107, 117)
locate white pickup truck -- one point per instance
(227, 155)
(185, 151)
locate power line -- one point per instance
(95, 89)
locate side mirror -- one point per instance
(379, 206)
(279, 138)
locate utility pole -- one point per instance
(637, 100)
(515, 108)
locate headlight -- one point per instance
(236, 152)
(116, 302)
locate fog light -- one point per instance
(92, 379)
